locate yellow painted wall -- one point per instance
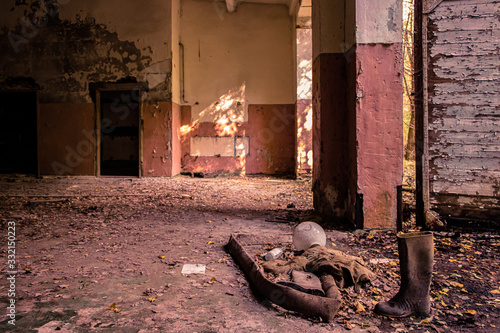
(236, 59)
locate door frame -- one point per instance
(422, 8)
(117, 87)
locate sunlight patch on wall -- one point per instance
(186, 129)
(304, 84)
(304, 137)
(226, 129)
(230, 107)
(309, 120)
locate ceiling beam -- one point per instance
(231, 5)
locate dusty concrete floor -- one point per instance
(106, 255)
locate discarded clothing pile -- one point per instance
(346, 270)
(315, 278)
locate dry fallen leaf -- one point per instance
(348, 325)
(444, 291)
(161, 257)
(152, 299)
(470, 312)
(359, 307)
(112, 306)
(210, 243)
(376, 291)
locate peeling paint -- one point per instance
(83, 49)
(464, 109)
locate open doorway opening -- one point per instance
(408, 97)
(119, 128)
(304, 100)
(18, 132)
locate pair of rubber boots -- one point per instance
(416, 256)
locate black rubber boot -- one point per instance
(416, 256)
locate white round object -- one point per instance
(308, 234)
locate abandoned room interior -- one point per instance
(138, 138)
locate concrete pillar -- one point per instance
(357, 100)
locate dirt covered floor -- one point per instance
(105, 255)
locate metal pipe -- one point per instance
(181, 60)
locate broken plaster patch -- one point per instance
(156, 74)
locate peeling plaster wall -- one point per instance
(64, 46)
(464, 109)
(69, 45)
(161, 139)
(379, 21)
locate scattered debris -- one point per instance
(380, 261)
(114, 260)
(193, 269)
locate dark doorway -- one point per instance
(119, 133)
(18, 132)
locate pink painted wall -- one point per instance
(176, 139)
(157, 139)
(271, 130)
(379, 131)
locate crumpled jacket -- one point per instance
(347, 270)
